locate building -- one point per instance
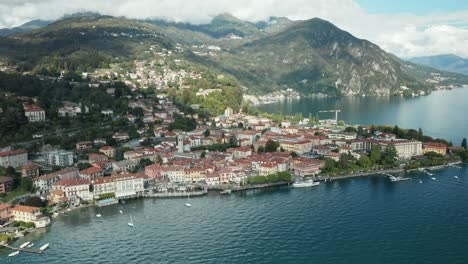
(44, 183)
(57, 197)
(93, 158)
(30, 170)
(91, 173)
(74, 189)
(228, 112)
(108, 151)
(438, 148)
(84, 145)
(267, 168)
(405, 148)
(30, 214)
(5, 211)
(153, 171)
(342, 136)
(307, 167)
(34, 113)
(124, 165)
(121, 136)
(60, 158)
(299, 147)
(13, 158)
(127, 185)
(6, 184)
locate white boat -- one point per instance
(120, 211)
(13, 254)
(130, 224)
(227, 191)
(44, 247)
(397, 179)
(98, 215)
(456, 177)
(24, 245)
(188, 200)
(306, 183)
(434, 179)
(31, 245)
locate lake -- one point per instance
(442, 114)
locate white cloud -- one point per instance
(406, 35)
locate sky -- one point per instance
(407, 28)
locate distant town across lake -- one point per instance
(441, 114)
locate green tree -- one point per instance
(464, 144)
(376, 153)
(389, 156)
(364, 161)
(206, 133)
(271, 146)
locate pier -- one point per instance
(27, 250)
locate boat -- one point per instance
(188, 200)
(13, 254)
(434, 179)
(456, 177)
(304, 183)
(120, 211)
(227, 191)
(44, 247)
(24, 245)
(98, 215)
(420, 181)
(397, 179)
(31, 245)
(130, 224)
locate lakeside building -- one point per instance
(438, 148)
(405, 148)
(13, 158)
(126, 185)
(6, 184)
(30, 214)
(306, 167)
(74, 189)
(5, 211)
(60, 158)
(34, 113)
(44, 183)
(108, 151)
(91, 173)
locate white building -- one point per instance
(121, 185)
(74, 189)
(30, 214)
(228, 112)
(34, 113)
(60, 158)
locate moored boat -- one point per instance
(24, 244)
(305, 183)
(44, 247)
(227, 191)
(13, 254)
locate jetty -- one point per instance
(27, 250)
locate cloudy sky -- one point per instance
(406, 28)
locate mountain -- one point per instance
(448, 62)
(311, 56)
(28, 26)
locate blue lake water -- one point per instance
(360, 220)
(441, 114)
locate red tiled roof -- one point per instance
(13, 152)
(26, 209)
(91, 170)
(71, 182)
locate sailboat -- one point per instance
(130, 224)
(188, 201)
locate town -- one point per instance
(180, 154)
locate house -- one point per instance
(71, 109)
(44, 183)
(342, 135)
(74, 189)
(153, 171)
(333, 155)
(30, 214)
(121, 136)
(267, 168)
(108, 151)
(13, 158)
(93, 158)
(84, 145)
(61, 158)
(57, 197)
(5, 211)
(299, 147)
(124, 165)
(6, 184)
(30, 170)
(91, 173)
(438, 148)
(34, 113)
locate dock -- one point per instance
(27, 250)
